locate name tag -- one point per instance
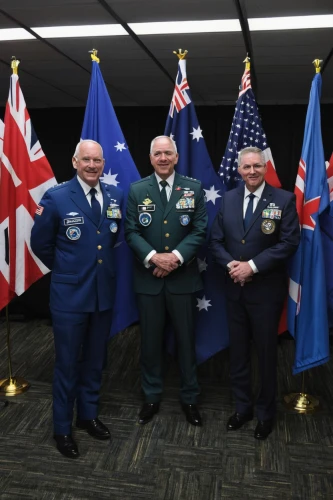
(73, 221)
(146, 208)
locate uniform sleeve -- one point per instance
(44, 231)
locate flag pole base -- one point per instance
(13, 386)
(301, 402)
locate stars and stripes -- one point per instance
(246, 131)
(25, 176)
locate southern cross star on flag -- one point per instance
(25, 175)
(246, 131)
(183, 127)
(101, 125)
(307, 306)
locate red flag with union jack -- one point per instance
(25, 175)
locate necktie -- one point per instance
(95, 206)
(164, 197)
(249, 211)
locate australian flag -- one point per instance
(101, 125)
(307, 306)
(246, 131)
(183, 127)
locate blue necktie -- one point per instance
(249, 211)
(95, 206)
(164, 197)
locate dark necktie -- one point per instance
(249, 212)
(95, 206)
(164, 197)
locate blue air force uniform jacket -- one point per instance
(79, 252)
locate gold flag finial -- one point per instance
(181, 55)
(14, 65)
(317, 63)
(247, 62)
(93, 55)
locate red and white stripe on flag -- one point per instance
(329, 171)
(25, 175)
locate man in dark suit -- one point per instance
(76, 227)
(165, 225)
(253, 235)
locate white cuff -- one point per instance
(253, 266)
(180, 258)
(147, 259)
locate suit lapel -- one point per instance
(266, 198)
(239, 209)
(80, 199)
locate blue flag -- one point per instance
(101, 125)
(326, 224)
(307, 307)
(246, 131)
(183, 127)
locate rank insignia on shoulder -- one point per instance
(39, 210)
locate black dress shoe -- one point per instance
(263, 429)
(66, 445)
(147, 412)
(237, 420)
(94, 427)
(192, 414)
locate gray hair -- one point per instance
(77, 149)
(172, 142)
(253, 149)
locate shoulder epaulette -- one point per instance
(58, 186)
(141, 180)
(190, 178)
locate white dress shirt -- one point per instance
(86, 189)
(170, 180)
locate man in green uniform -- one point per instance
(165, 225)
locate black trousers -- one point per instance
(258, 320)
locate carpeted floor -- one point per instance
(167, 459)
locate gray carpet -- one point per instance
(167, 459)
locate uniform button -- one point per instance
(243, 241)
(99, 247)
(165, 222)
(166, 248)
(100, 261)
(167, 235)
(98, 232)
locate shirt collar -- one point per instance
(170, 180)
(86, 188)
(256, 193)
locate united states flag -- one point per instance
(246, 131)
(25, 175)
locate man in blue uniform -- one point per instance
(166, 223)
(253, 235)
(76, 227)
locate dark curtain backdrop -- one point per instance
(59, 131)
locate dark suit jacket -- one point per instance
(269, 251)
(166, 233)
(83, 274)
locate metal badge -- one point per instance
(73, 233)
(145, 219)
(184, 220)
(147, 201)
(113, 227)
(268, 226)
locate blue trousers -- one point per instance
(80, 341)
